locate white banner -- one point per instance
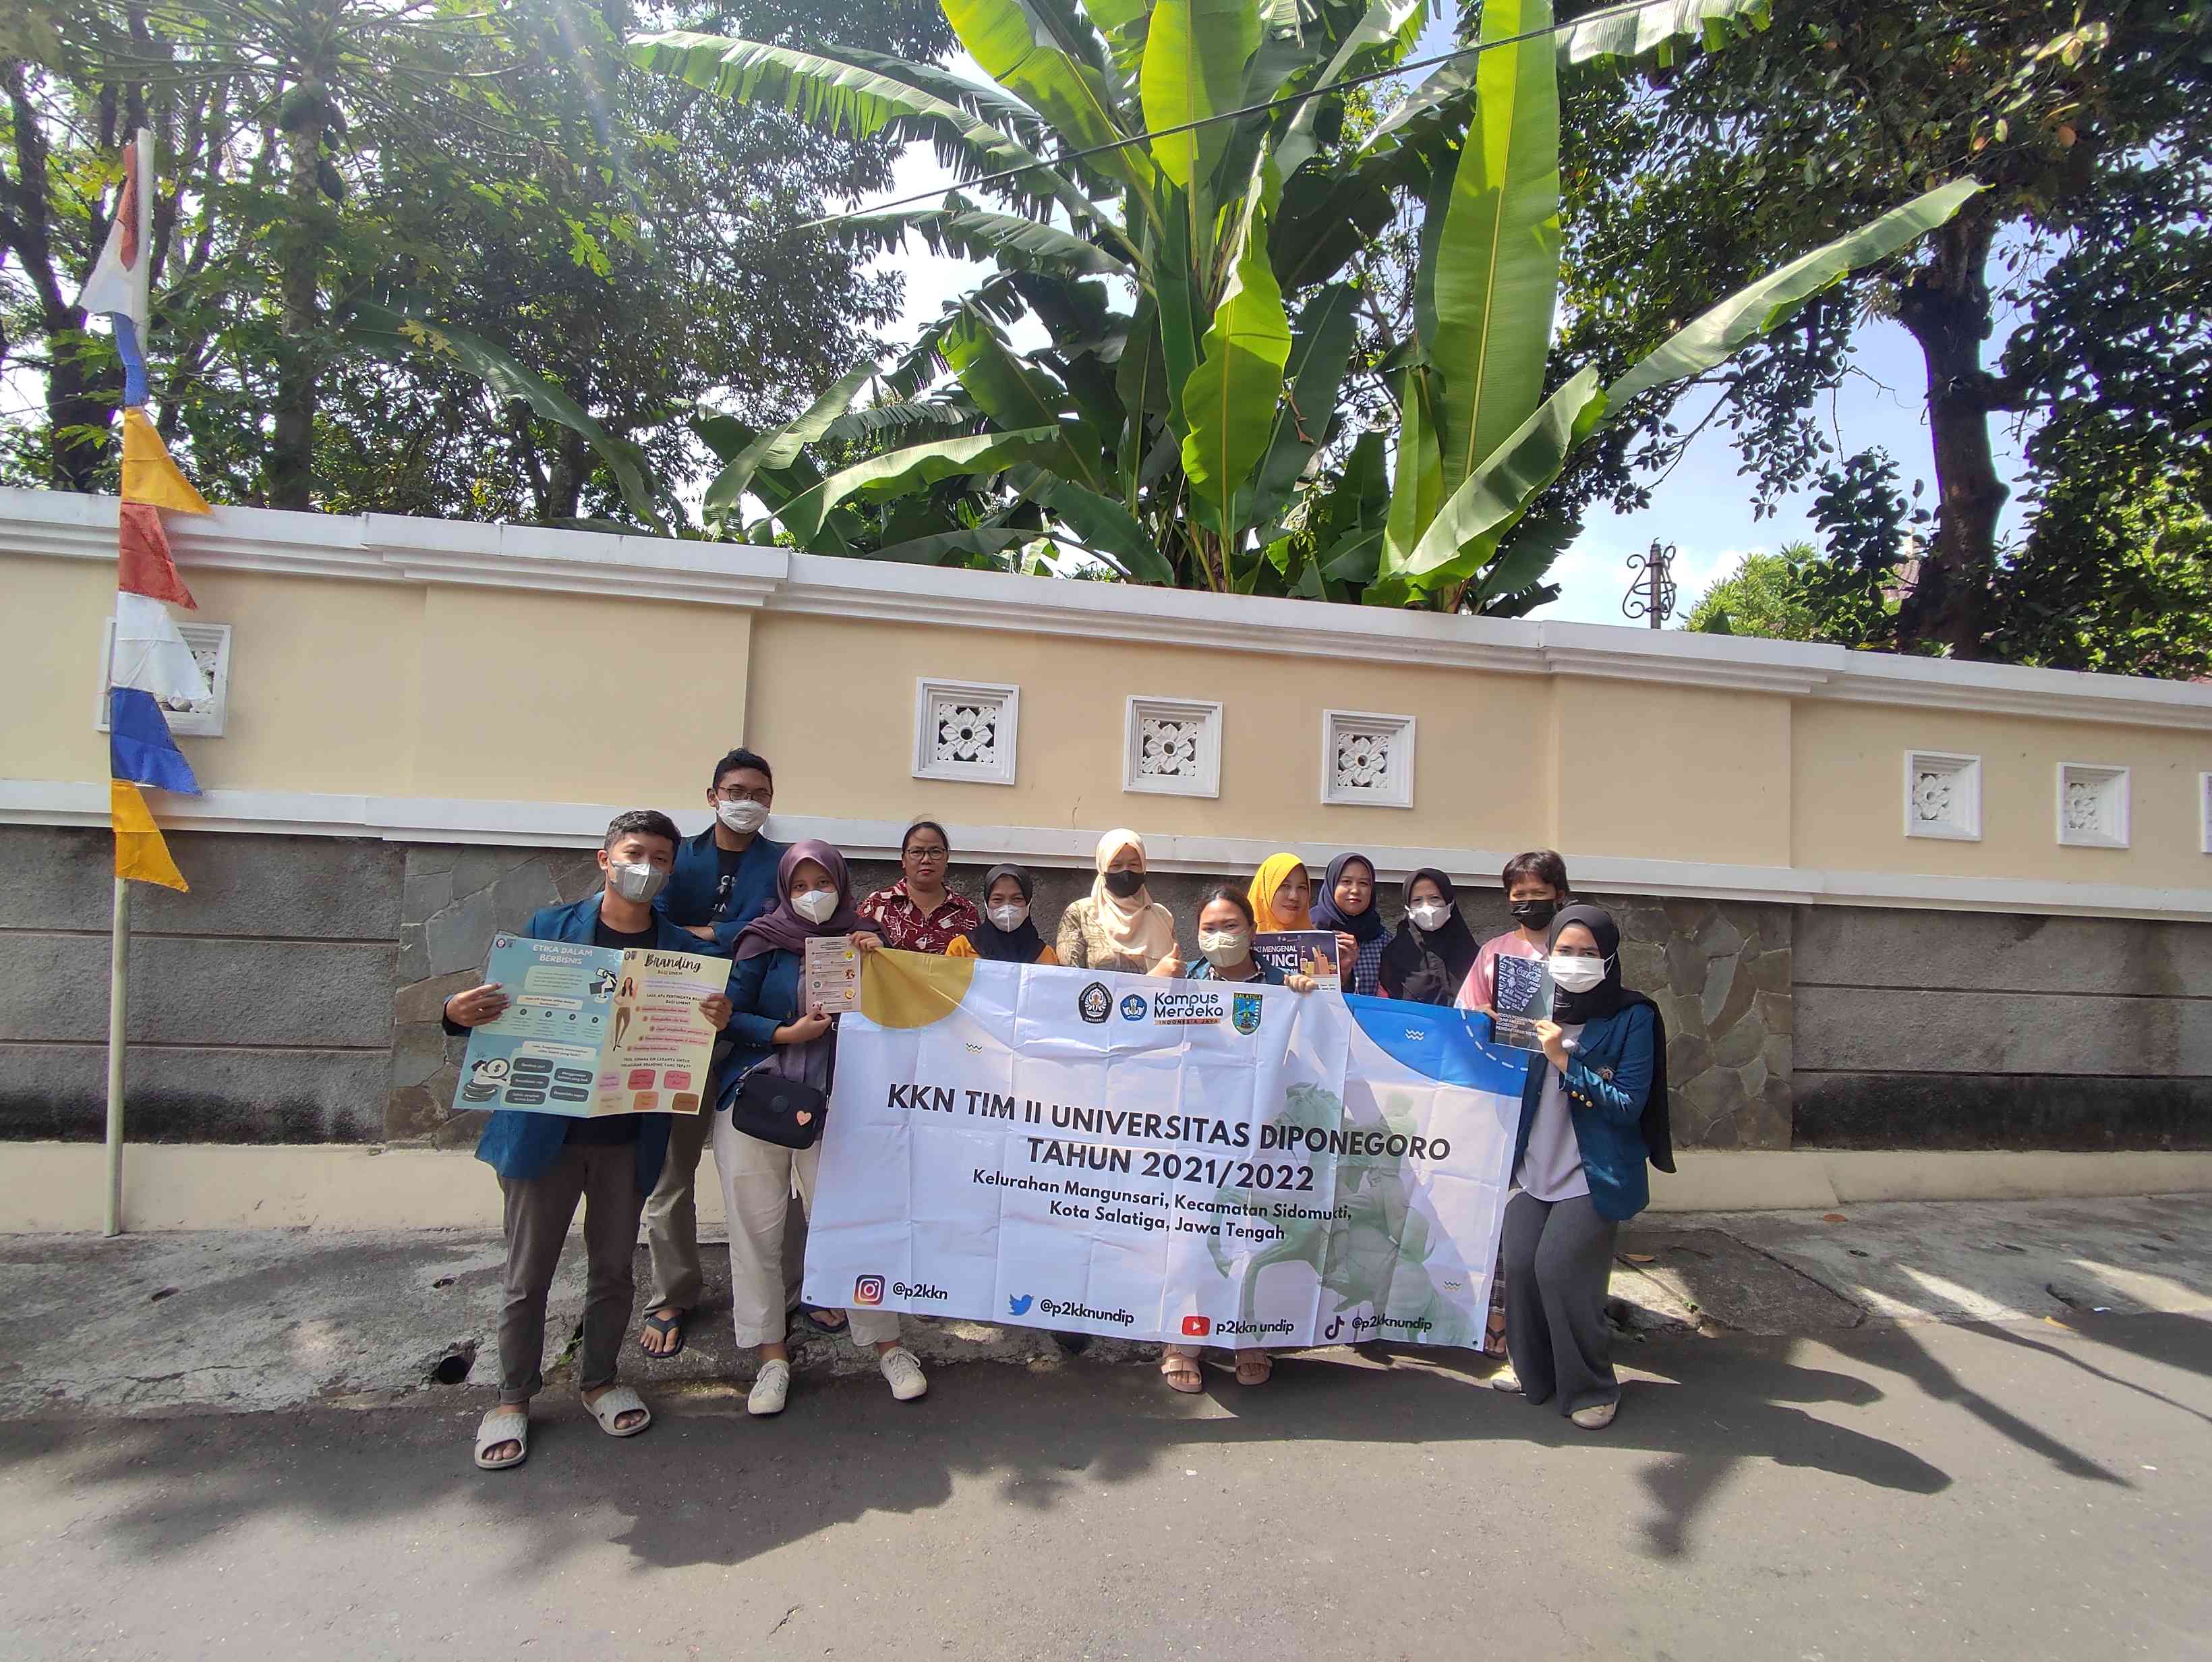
(1199, 1161)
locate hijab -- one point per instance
(1428, 968)
(1606, 998)
(1265, 881)
(781, 928)
(1021, 945)
(1361, 926)
(1137, 927)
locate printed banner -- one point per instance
(1196, 1161)
(589, 1031)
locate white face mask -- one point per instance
(1575, 975)
(1010, 918)
(742, 817)
(1429, 916)
(1223, 947)
(816, 905)
(636, 882)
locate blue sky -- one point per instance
(1704, 507)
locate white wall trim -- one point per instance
(1002, 705)
(390, 548)
(580, 825)
(2108, 788)
(1962, 775)
(1198, 723)
(1397, 733)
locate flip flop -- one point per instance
(504, 1424)
(819, 1319)
(613, 1405)
(665, 1326)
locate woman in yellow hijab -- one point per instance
(1282, 899)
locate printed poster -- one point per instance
(1194, 1161)
(589, 1032)
(1523, 988)
(1299, 952)
(832, 969)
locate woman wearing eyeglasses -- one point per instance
(919, 913)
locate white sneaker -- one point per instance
(771, 1389)
(903, 1369)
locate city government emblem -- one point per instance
(1244, 1013)
(1093, 1004)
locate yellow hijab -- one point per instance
(1139, 926)
(1265, 881)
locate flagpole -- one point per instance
(118, 972)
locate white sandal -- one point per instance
(613, 1405)
(504, 1424)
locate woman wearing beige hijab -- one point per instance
(1119, 926)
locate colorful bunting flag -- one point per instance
(152, 666)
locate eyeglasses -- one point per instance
(738, 793)
(928, 854)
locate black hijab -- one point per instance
(1361, 926)
(1605, 999)
(1021, 945)
(1431, 968)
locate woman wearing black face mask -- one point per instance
(1118, 925)
(1535, 887)
(1593, 1110)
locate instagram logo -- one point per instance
(1196, 1327)
(869, 1289)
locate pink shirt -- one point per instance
(1480, 990)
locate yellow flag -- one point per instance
(148, 475)
(140, 853)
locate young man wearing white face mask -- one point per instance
(723, 879)
(547, 1164)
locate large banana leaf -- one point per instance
(1140, 383)
(1655, 30)
(1194, 68)
(1016, 47)
(1230, 399)
(1016, 396)
(1419, 485)
(852, 101)
(1719, 333)
(1101, 525)
(939, 546)
(1391, 25)
(392, 334)
(1497, 269)
(1182, 320)
(898, 471)
(873, 421)
(964, 232)
(1320, 350)
(779, 447)
(1467, 528)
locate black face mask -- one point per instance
(1534, 914)
(1123, 885)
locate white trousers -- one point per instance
(756, 1184)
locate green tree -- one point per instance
(2092, 126)
(1172, 440)
(1762, 596)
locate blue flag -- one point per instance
(139, 747)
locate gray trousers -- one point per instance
(671, 1223)
(537, 1213)
(1559, 1263)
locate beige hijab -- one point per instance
(1139, 926)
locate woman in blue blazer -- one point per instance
(1593, 1110)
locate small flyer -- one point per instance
(589, 1032)
(1299, 952)
(1523, 999)
(832, 973)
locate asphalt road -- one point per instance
(2031, 1490)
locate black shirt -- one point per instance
(612, 1129)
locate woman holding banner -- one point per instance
(1592, 1112)
(1118, 925)
(775, 1030)
(1225, 932)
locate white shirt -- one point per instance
(1552, 1166)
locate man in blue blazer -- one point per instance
(547, 1163)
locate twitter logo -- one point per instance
(1017, 1307)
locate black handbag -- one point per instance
(785, 1111)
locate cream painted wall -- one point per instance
(49, 674)
(1848, 788)
(833, 708)
(1672, 773)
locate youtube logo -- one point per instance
(1196, 1327)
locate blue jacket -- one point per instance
(523, 1146)
(763, 997)
(1609, 1077)
(688, 896)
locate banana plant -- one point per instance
(1177, 208)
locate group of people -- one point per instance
(1593, 1112)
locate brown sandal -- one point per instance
(1183, 1373)
(1254, 1367)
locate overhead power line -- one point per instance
(1285, 102)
